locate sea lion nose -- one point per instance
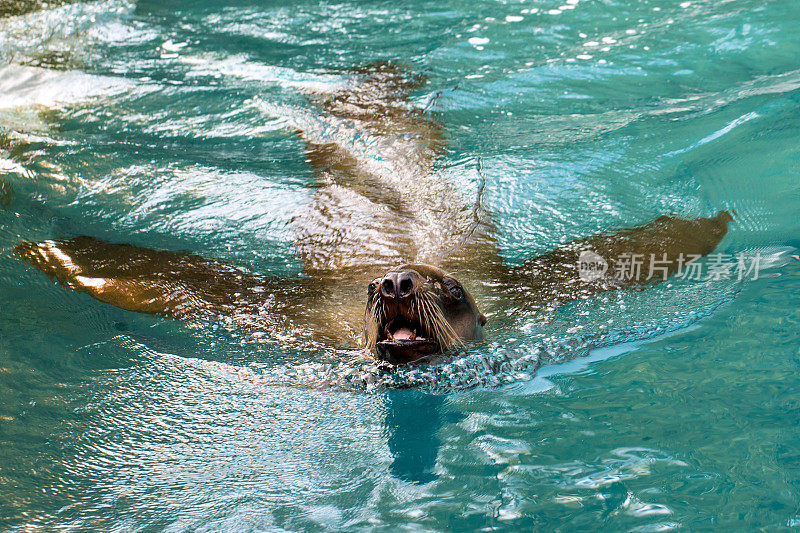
(387, 286)
(399, 284)
(406, 283)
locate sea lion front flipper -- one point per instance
(606, 262)
(171, 284)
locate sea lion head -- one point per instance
(417, 311)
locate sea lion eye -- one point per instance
(372, 288)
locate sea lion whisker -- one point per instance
(433, 319)
(377, 310)
(444, 333)
(448, 336)
(429, 322)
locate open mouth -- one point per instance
(403, 340)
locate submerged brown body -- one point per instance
(380, 203)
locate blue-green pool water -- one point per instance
(164, 124)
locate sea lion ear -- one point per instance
(481, 319)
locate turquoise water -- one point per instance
(167, 124)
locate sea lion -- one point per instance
(380, 202)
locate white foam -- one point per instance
(7, 165)
(239, 67)
(38, 87)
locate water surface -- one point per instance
(168, 124)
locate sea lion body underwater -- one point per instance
(379, 202)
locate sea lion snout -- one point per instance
(400, 285)
(415, 311)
